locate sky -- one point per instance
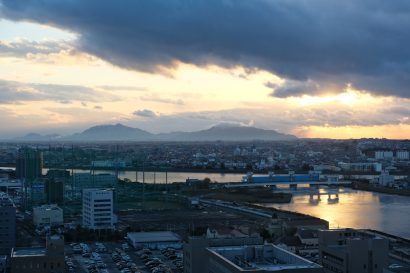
(312, 68)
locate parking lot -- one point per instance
(120, 258)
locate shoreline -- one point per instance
(370, 188)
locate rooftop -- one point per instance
(154, 236)
(261, 257)
(30, 251)
(48, 207)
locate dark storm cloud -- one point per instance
(362, 42)
(15, 92)
(293, 88)
(146, 113)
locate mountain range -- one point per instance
(119, 132)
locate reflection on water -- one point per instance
(163, 177)
(355, 209)
(170, 177)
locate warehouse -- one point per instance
(154, 240)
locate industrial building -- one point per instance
(361, 167)
(39, 259)
(108, 164)
(98, 209)
(291, 177)
(154, 240)
(349, 250)
(50, 215)
(87, 180)
(257, 259)
(7, 225)
(195, 249)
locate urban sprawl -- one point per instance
(193, 207)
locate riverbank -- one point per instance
(372, 188)
(255, 197)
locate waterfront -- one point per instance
(355, 209)
(162, 177)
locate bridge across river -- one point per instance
(290, 183)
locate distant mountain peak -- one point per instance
(112, 132)
(121, 132)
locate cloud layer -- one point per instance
(311, 43)
(16, 92)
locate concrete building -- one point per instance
(29, 164)
(108, 164)
(308, 237)
(223, 233)
(385, 179)
(98, 209)
(272, 177)
(3, 264)
(11, 184)
(37, 192)
(324, 167)
(38, 259)
(54, 189)
(7, 225)
(361, 167)
(383, 154)
(87, 180)
(154, 240)
(349, 250)
(402, 155)
(257, 259)
(50, 215)
(195, 249)
(304, 223)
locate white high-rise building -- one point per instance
(383, 154)
(98, 209)
(403, 155)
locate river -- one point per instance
(355, 209)
(163, 177)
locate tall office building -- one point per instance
(349, 250)
(7, 225)
(54, 189)
(98, 209)
(29, 164)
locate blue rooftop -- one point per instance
(30, 251)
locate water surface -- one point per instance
(355, 209)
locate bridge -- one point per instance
(332, 196)
(292, 184)
(291, 179)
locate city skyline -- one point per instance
(181, 66)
